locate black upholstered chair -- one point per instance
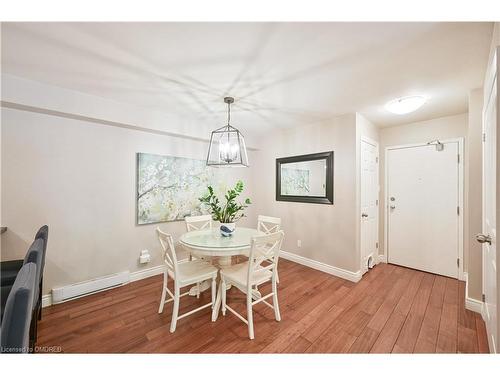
(15, 331)
(36, 254)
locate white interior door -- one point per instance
(489, 212)
(423, 208)
(369, 204)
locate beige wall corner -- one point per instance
(327, 232)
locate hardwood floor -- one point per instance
(392, 309)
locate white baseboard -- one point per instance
(47, 300)
(134, 276)
(382, 258)
(339, 272)
(471, 303)
(144, 274)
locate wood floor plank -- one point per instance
(299, 345)
(379, 319)
(411, 327)
(320, 314)
(427, 337)
(466, 340)
(447, 336)
(389, 334)
(365, 341)
(482, 337)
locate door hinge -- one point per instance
(483, 297)
(458, 262)
(376, 202)
(458, 158)
(376, 159)
(484, 137)
(376, 245)
(458, 210)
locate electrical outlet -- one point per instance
(144, 257)
(299, 243)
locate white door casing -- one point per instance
(369, 203)
(490, 281)
(424, 200)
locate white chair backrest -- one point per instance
(169, 255)
(198, 222)
(265, 248)
(268, 224)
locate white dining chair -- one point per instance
(260, 268)
(198, 222)
(183, 274)
(269, 224)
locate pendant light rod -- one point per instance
(229, 100)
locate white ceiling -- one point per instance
(281, 74)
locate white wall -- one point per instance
(418, 132)
(328, 232)
(79, 178)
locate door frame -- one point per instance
(461, 186)
(376, 256)
(490, 84)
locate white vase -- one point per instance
(231, 227)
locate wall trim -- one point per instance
(332, 270)
(47, 300)
(73, 116)
(474, 305)
(382, 258)
(144, 274)
(471, 303)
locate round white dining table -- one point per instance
(211, 243)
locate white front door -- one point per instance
(488, 237)
(369, 204)
(423, 199)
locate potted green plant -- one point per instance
(229, 212)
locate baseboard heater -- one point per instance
(69, 292)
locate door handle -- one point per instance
(483, 238)
(364, 215)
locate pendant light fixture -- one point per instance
(227, 145)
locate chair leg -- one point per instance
(198, 286)
(175, 312)
(214, 291)
(277, 277)
(250, 316)
(163, 293)
(275, 301)
(223, 283)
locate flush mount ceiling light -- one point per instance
(227, 145)
(405, 105)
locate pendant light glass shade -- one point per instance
(227, 145)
